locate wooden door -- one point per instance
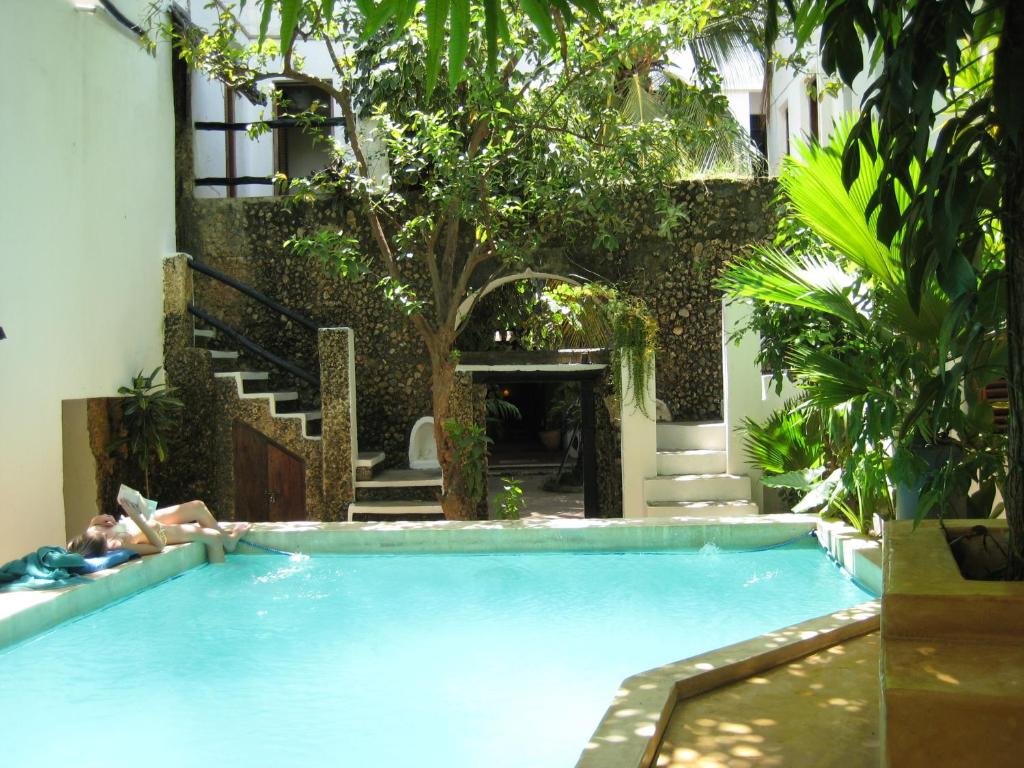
(286, 485)
(270, 482)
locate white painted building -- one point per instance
(801, 106)
(221, 155)
(86, 217)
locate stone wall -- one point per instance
(244, 238)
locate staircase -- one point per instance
(372, 483)
(282, 401)
(692, 480)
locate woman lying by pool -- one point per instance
(147, 534)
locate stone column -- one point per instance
(177, 295)
(639, 445)
(338, 402)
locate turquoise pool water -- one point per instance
(422, 660)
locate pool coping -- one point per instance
(29, 613)
(630, 732)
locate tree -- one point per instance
(488, 177)
(950, 75)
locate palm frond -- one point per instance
(809, 280)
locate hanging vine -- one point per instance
(596, 314)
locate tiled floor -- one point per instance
(820, 711)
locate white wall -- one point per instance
(86, 214)
(789, 92)
(747, 394)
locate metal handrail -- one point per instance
(255, 348)
(253, 293)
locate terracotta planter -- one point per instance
(952, 656)
(551, 439)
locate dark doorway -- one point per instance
(302, 150)
(270, 482)
(536, 390)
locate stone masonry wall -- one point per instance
(244, 237)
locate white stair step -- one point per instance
(245, 375)
(403, 478)
(693, 462)
(691, 436)
(369, 459)
(282, 397)
(223, 354)
(313, 415)
(393, 508)
(707, 487)
(204, 333)
(740, 508)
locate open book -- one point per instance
(131, 497)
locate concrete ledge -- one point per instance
(24, 614)
(926, 595)
(952, 658)
(860, 555)
(445, 536)
(630, 732)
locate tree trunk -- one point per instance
(455, 499)
(1013, 233)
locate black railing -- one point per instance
(310, 377)
(251, 292)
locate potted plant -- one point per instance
(149, 412)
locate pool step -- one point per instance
(740, 508)
(691, 436)
(394, 509)
(704, 487)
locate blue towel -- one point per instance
(108, 560)
(46, 568)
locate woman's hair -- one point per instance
(89, 544)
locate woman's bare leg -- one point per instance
(211, 537)
(197, 512)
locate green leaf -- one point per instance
(436, 13)
(268, 9)
(458, 40)
(589, 6)
(540, 15)
(402, 15)
(492, 10)
(376, 17)
(290, 12)
(327, 8)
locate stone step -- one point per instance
(403, 478)
(393, 508)
(204, 333)
(369, 459)
(223, 354)
(693, 462)
(705, 487)
(365, 463)
(740, 508)
(691, 436)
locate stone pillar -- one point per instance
(338, 402)
(177, 295)
(639, 445)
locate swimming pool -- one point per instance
(427, 660)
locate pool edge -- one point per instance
(630, 732)
(24, 615)
(631, 729)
